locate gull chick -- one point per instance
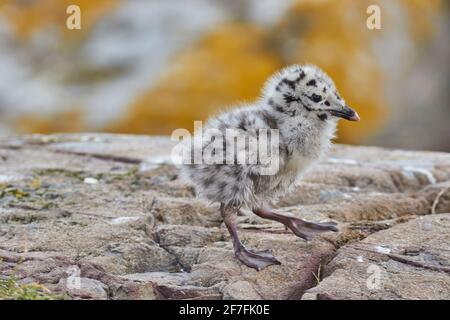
(304, 106)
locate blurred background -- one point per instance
(150, 66)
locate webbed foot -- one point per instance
(256, 260)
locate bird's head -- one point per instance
(306, 91)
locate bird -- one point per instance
(301, 104)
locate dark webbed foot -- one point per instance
(256, 260)
(308, 230)
(303, 229)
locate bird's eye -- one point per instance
(316, 98)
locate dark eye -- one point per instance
(316, 98)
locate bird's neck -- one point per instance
(306, 134)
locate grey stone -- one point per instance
(139, 232)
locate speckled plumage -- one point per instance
(297, 101)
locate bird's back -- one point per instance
(235, 183)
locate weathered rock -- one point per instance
(85, 288)
(174, 286)
(114, 209)
(407, 261)
(240, 290)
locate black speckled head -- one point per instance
(306, 90)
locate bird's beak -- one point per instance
(346, 113)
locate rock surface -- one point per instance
(107, 217)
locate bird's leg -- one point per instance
(257, 260)
(301, 228)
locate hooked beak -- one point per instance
(346, 113)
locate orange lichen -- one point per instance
(69, 121)
(231, 61)
(230, 64)
(334, 36)
(421, 16)
(28, 17)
